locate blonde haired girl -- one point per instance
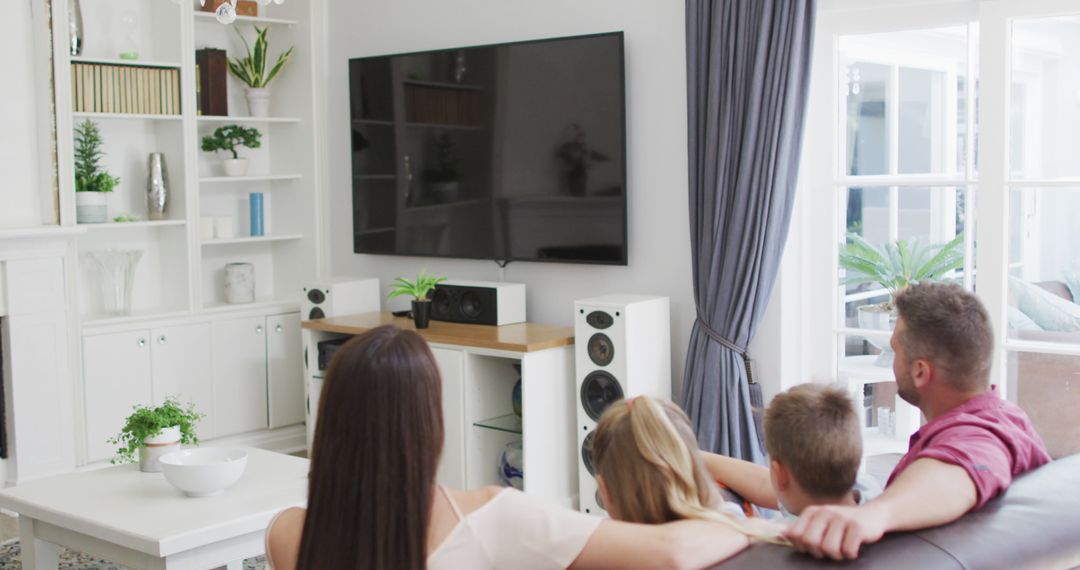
(650, 470)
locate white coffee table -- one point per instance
(138, 520)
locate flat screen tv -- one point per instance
(508, 152)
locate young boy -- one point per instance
(814, 442)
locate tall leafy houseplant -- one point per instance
(171, 422)
(894, 266)
(577, 158)
(228, 138)
(418, 290)
(251, 70)
(92, 182)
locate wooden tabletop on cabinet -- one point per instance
(521, 337)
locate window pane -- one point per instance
(923, 220)
(1045, 98)
(1047, 387)
(1044, 269)
(904, 101)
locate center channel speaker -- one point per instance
(340, 297)
(478, 302)
(622, 349)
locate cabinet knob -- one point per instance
(259, 329)
(278, 328)
(161, 339)
(142, 342)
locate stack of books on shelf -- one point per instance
(441, 105)
(127, 89)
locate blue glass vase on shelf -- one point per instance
(511, 463)
(515, 395)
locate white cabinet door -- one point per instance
(116, 376)
(181, 369)
(285, 370)
(238, 362)
(451, 368)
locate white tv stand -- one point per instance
(477, 367)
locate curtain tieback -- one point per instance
(741, 351)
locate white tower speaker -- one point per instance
(340, 297)
(622, 349)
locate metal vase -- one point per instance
(157, 188)
(75, 28)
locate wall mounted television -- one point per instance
(511, 151)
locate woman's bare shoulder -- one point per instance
(283, 538)
(471, 500)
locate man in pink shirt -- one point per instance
(971, 447)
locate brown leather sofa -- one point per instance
(1035, 524)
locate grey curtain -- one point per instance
(748, 70)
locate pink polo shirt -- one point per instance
(992, 439)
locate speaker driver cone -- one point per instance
(316, 313)
(470, 305)
(586, 453)
(316, 296)
(442, 303)
(601, 350)
(598, 391)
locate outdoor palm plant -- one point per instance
(896, 265)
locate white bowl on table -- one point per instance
(204, 471)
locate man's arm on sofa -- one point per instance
(750, 480)
(928, 493)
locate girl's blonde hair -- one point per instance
(648, 457)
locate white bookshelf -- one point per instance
(180, 273)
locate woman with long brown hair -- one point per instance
(373, 502)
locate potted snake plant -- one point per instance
(251, 70)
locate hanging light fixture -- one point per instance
(226, 12)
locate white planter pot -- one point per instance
(258, 100)
(235, 166)
(875, 317)
(91, 207)
(154, 447)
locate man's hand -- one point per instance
(836, 532)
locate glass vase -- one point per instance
(116, 269)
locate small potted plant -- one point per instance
(419, 289)
(92, 183)
(228, 138)
(251, 70)
(153, 431)
(446, 173)
(895, 266)
(577, 158)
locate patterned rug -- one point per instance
(71, 560)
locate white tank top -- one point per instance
(513, 530)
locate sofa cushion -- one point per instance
(1034, 524)
(1020, 321)
(1072, 281)
(1049, 311)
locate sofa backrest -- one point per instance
(1034, 524)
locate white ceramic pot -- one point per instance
(157, 446)
(258, 100)
(204, 471)
(235, 166)
(91, 207)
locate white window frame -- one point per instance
(818, 217)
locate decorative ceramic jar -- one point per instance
(239, 283)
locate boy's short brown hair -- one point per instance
(814, 431)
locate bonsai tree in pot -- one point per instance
(895, 266)
(251, 70)
(153, 431)
(92, 183)
(577, 158)
(419, 290)
(228, 138)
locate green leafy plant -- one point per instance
(148, 421)
(419, 289)
(897, 265)
(447, 165)
(231, 136)
(251, 69)
(89, 177)
(125, 218)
